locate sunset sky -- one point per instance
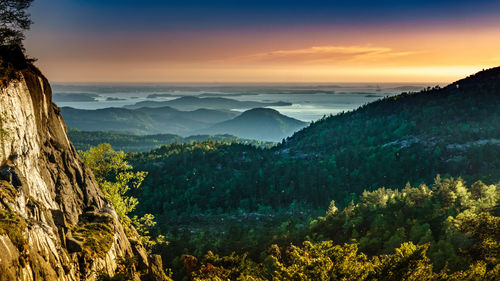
(264, 40)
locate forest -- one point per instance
(403, 188)
(83, 140)
(407, 186)
(447, 232)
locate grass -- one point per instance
(95, 231)
(13, 225)
(7, 192)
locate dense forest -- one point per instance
(447, 232)
(83, 140)
(359, 166)
(409, 138)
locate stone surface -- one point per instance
(53, 188)
(73, 245)
(155, 272)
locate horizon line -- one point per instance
(242, 82)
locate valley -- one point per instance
(213, 195)
(249, 140)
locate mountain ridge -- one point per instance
(259, 123)
(143, 120)
(193, 103)
(480, 85)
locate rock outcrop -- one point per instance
(55, 223)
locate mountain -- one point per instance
(55, 222)
(261, 124)
(412, 137)
(143, 120)
(109, 119)
(202, 115)
(460, 115)
(193, 103)
(258, 123)
(420, 167)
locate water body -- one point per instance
(309, 101)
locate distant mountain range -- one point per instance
(201, 115)
(259, 124)
(193, 103)
(144, 120)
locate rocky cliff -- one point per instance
(55, 223)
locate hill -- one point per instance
(109, 119)
(202, 115)
(413, 118)
(452, 131)
(258, 123)
(193, 103)
(211, 188)
(143, 120)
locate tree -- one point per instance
(332, 209)
(144, 225)
(114, 176)
(14, 20)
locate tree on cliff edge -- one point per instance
(14, 20)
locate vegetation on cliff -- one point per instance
(13, 226)
(448, 231)
(113, 174)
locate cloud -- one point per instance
(326, 55)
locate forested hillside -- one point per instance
(447, 232)
(83, 140)
(261, 124)
(409, 138)
(144, 120)
(234, 197)
(175, 164)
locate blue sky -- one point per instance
(213, 40)
(142, 15)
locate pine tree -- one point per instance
(14, 20)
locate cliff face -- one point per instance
(55, 223)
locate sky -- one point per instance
(264, 40)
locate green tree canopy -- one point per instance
(114, 176)
(14, 20)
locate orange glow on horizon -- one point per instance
(406, 55)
